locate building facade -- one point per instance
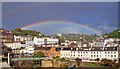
(6, 36)
(27, 50)
(88, 54)
(22, 38)
(46, 40)
(13, 45)
(48, 51)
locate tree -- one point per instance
(115, 60)
(110, 63)
(53, 61)
(98, 59)
(1, 29)
(61, 39)
(65, 62)
(78, 61)
(104, 61)
(114, 34)
(39, 54)
(21, 32)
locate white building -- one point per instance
(109, 42)
(29, 42)
(45, 40)
(27, 50)
(59, 35)
(13, 45)
(90, 54)
(22, 38)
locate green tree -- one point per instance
(61, 39)
(65, 62)
(21, 32)
(39, 54)
(104, 61)
(1, 29)
(78, 61)
(114, 34)
(53, 61)
(98, 59)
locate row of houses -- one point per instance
(8, 37)
(87, 54)
(90, 54)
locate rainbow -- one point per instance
(58, 21)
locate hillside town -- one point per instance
(17, 49)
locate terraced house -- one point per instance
(90, 54)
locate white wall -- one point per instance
(13, 45)
(40, 41)
(87, 54)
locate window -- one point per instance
(91, 52)
(105, 55)
(111, 55)
(114, 52)
(94, 55)
(97, 55)
(105, 52)
(84, 52)
(91, 55)
(108, 52)
(114, 55)
(97, 52)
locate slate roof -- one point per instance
(93, 49)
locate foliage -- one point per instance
(62, 59)
(113, 34)
(1, 29)
(89, 37)
(98, 59)
(61, 39)
(52, 61)
(78, 61)
(109, 63)
(39, 54)
(21, 32)
(65, 62)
